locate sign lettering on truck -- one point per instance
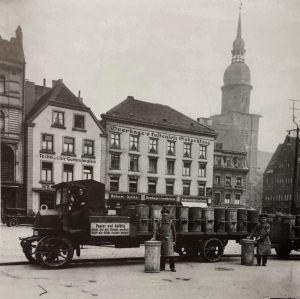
(110, 229)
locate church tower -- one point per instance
(235, 111)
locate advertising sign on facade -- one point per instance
(109, 229)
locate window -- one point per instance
(217, 198)
(237, 199)
(228, 161)
(79, 121)
(203, 152)
(186, 168)
(218, 160)
(134, 143)
(115, 161)
(170, 167)
(153, 145)
(186, 188)
(227, 198)
(169, 186)
(114, 183)
(87, 172)
(47, 142)
(88, 147)
(2, 85)
(187, 149)
(171, 148)
(228, 181)
(201, 188)
(2, 121)
(133, 163)
(152, 186)
(153, 165)
(133, 184)
(47, 171)
(68, 173)
(58, 118)
(238, 181)
(202, 170)
(68, 145)
(115, 140)
(217, 180)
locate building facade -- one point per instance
(63, 143)
(12, 72)
(156, 155)
(278, 180)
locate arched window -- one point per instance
(2, 121)
(2, 84)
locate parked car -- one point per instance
(17, 216)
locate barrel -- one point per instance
(289, 222)
(195, 219)
(208, 215)
(219, 220)
(252, 219)
(242, 220)
(183, 221)
(152, 256)
(297, 231)
(231, 220)
(142, 212)
(172, 210)
(247, 252)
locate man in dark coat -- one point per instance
(262, 231)
(167, 236)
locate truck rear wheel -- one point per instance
(54, 252)
(283, 252)
(211, 250)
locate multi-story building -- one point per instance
(230, 168)
(63, 143)
(12, 72)
(156, 155)
(278, 179)
(236, 93)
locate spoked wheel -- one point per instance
(212, 250)
(54, 252)
(29, 251)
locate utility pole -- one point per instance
(294, 190)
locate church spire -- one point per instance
(238, 47)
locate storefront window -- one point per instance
(88, 147)
(68, 172)
(47, 169)
(87, 172)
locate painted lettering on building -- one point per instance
(66, 159)
(153, 134)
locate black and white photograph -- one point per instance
(150, 149)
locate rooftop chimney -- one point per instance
(79, 97)
(130, 97)
(205, 121)
(44, 82)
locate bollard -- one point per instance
(247, 254)
(152, 256)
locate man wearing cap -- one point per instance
(167, 236)
(262, 231)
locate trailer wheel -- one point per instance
(212, 250)
(54, 252)
(12, 222)
(283, 252)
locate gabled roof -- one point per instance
(155, 115)
(230, 137)
(60, 96)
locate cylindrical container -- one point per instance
(152, 256)
(195, 219)
(183, 221)
(208, 215)
(247, 252)
(231, 220)
(172, 210)
(242, 220)
(289, 222)
(219, 220)
(155, 215)
(297, 231)
(142, 212)
(252, 219)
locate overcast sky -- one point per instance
(172, 52)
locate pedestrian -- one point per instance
(261, 232)
(167, 236)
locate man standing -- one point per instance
(167, 236)
(261, 232)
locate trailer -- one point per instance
(83, 219)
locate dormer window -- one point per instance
(2, 84)
(58, 118)
(79, 122)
